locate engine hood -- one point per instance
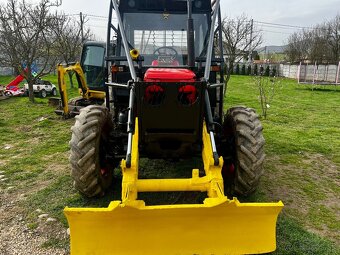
(169, 75)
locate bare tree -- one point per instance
(239, 37)
(69, 39)
(26, 38)
(298, 46)
(320, 43)
(333, 37)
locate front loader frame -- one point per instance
(212, 182)
(218, 226)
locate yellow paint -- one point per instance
(218, 226)
(134, 53)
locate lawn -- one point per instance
(302, 133)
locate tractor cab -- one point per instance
(167, 42)
(166, 34)
(161, 36)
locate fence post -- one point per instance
(299, 73)
(337, 74)
(314, 73)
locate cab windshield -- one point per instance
(161, 38)
(93, 65)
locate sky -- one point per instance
(300, 13)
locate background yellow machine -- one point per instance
(90, 78)
(164, 100)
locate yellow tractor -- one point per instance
(164, 100)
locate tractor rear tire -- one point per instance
(91, 173)
(243, 130)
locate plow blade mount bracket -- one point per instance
(218, 226)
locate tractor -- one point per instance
(164, 93)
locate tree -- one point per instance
(320, 43)
(26, 38)
(333, 38)
(69, 39)
(298, 47)
(268, 87)
(239, 36)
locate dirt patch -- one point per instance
(18, 236)
(309, 189)
(24, 129)
(3, 98)
(22, 231)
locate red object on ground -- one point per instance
(12, 89)
(15, 82)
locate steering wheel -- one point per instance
(166, 51)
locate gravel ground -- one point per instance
(16, 235)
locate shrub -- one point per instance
(267, 72)
(255, 69)
(273, 71)
(237, 70)
(268, 87)
(261, 70)
(243, 70)
(249, 70)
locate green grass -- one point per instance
(302, 135)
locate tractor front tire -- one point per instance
(90, 137)
(243, 131)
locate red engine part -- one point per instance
(169, 75)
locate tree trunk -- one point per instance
(227, 76)
(30, 91)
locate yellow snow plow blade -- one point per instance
(218, 226)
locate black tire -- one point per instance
(89, 143)
(43, 93)
(8, 94)
(244, 151)
(54, 92)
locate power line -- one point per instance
(271, 26)
(91, 25)
(95, 16)
(282, 25)
(275, 32)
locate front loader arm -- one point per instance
(84, 90)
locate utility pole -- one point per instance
(250, 57)
(82, 26)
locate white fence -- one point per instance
(312, 73)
